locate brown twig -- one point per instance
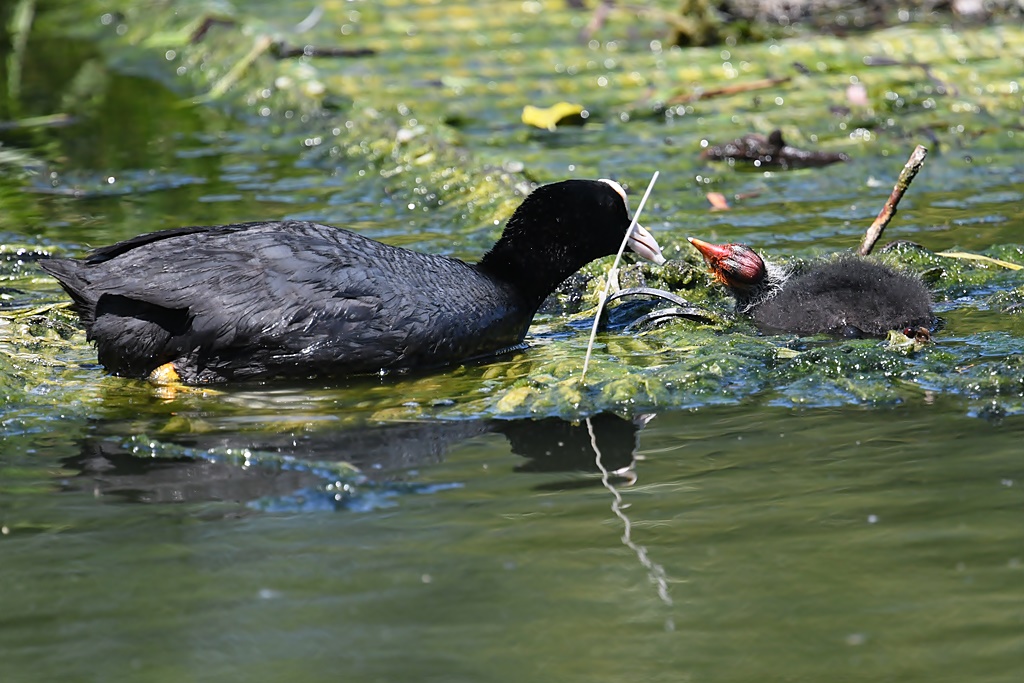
(597, 20)
(283, 50)
(262, 44)
(910, 170)
(48, 121)
(206, 24)
(734, 89)
(943, 87)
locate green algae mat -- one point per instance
(406, 121)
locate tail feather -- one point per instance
(69, 273)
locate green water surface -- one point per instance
(712, 505)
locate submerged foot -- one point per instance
(165, 375)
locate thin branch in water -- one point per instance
(205, 25)
(708, 93)
(22, 313)
(262, 44)
(48, 121)
(613, 275)
(655, 571)
(597, 20)
(942, 87)
(874, 233)
(283, 50)
(979, 257)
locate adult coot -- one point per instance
(847, 295)
(300, 299)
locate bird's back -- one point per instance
(848, 295)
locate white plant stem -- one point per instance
(613, 276)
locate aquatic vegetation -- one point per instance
(435, 142)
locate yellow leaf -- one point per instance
(978, 257)
(549, 118)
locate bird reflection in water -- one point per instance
(353, 468)
(356, 469)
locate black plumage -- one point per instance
(300, 299)
(847, 295)
(771, 151)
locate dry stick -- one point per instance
(205, 25)
(597, 20)
(47, 121)
(910, 170)
(611, 275)
(283, 50)
(708, 93)
(262, 44)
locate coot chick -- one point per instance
(847, 296)
(301, 299)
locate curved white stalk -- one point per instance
(613, 275)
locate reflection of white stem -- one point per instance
(655, 571)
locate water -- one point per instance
(715, 506)
(846, 544)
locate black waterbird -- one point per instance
(771, 151)
(300, 299)
(846, 296)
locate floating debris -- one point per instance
(560, 114)
(771, 151)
